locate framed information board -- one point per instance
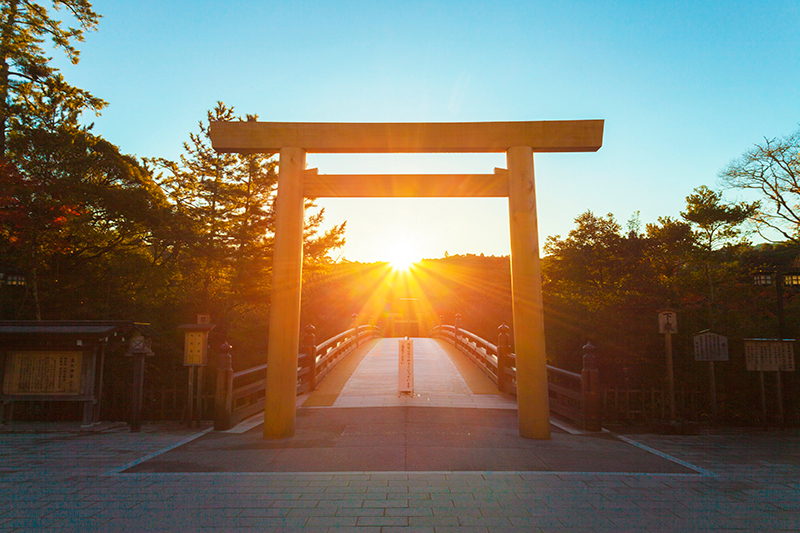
(769, 355)
(43, 372)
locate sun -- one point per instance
(401, 256)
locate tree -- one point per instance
(71, 201)
(24, 70)
(225, 207)
(715, 224)
(773, 170)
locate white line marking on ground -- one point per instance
(147, 457)
(663, 455)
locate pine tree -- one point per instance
(25, 72)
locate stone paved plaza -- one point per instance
(171, 478)
(69, 481)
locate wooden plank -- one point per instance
(417, 137)
(567, 412)
(247, 390)
(569, 393)
(246, 412)
(405, 185)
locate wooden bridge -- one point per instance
(452, 368)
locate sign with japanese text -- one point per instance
(769, 355)
(43, 373)
(405, 375)
(710, 347)
(195, 349)
(667, 321)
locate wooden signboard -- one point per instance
(710, 346)
(37, 373)
(405, 375)
(195, 348)
(769, 355)
(667, 321)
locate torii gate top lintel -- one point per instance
(407, 137)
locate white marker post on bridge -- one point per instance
(405, 370)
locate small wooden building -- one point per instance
(58, 361)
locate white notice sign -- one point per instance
(405, 374)
(769, 355)
(710, 347)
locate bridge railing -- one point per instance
(241, 394)
(573, 396)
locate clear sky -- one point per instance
(684, 87)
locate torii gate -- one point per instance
(519, 140)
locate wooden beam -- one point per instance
(405, 185)
(533, 411)
(409, 137)
(284, 316)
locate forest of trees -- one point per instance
(88, 232)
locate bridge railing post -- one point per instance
(354, 325)
(310, 349)
(223, 397)
(503, 349)
(590, 385)
(456, 328)
(371, 322)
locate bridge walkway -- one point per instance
(443, 377)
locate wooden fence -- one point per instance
(640, 405)
(242, 394)
(573, 396)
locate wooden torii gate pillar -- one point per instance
(519, 140)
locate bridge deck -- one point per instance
(443, 377)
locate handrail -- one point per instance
(572, 395)
(242, 394)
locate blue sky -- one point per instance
(684, 87)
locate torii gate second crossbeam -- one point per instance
(519, 140)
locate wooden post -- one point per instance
(763, 398)
(670, 375)
(199, 408)
(713, 385)
(456, 327)
(284, 320)
(190, 398)
(91, 377)
(99, 404)
(779, 393)
(526, 289)
(223, 398)
(310, 349)
(503, 349)
(138, 392)
(590, 384)
(354, 325)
